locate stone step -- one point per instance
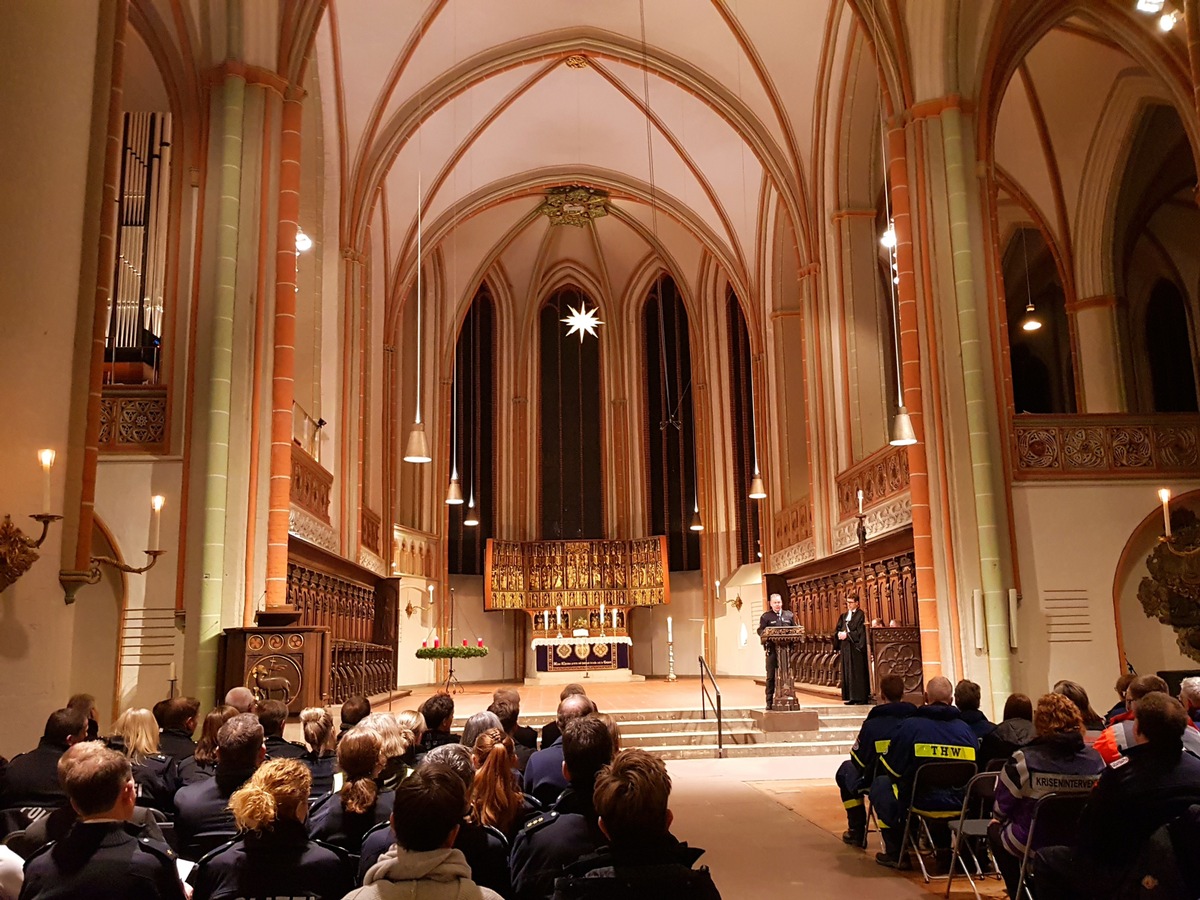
(743, 737)
(774, 748)
(685, 725)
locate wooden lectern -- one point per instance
(785, 642)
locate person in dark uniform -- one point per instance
(521, 734)
(321, 757)
(851, 640)
(202, 763)
(855, 774)
(1151, 784)
(202, 817)
(643, 860)
(484, 849)
(438, 711)
(31, 779)
(86, 704)
(271, 715)
(179, 724)
(569, 829)
(345, 817)
(550, 731)
(935, 732)
(967, 697)
(774, 617)
(104, 856)
(544, 778)
(507, 714)
(135, 733)
(272, 855)
(354, 710)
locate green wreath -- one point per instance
(451, 652)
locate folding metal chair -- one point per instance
(943, 775)
(864, 794)
(972, 824)
(1055, 821)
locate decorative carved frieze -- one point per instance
(795, 555)
(370, 527)
(891, 516)
(413, 552)
(1105, 446)
(133, 419)
(882, 475)
(311, 485)
(369, 560)
(310, 528)
(793, 524)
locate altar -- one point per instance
(578, 595)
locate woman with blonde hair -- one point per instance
(135, 733)
(1056, 756)
(395, 743)
(496, 799)
(272, 855)
(203, 762)
(345, 817)
(411, 720)
(321, 757)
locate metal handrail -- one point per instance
(706, 700)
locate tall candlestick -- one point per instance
(614, 612)
(558, 615)
(601, 615)
(1164, 494)
(670, 636)
(860, 499)
(46, 458)
(545, 620)
(156, 505)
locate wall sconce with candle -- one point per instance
(17, 549)
(73, 581)
(409, 609)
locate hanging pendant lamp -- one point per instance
(758, 490)
(1031, 322)
(471, 519)
(454, 495)
(902, 433)
(417, 448)
(696, 524)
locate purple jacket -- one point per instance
(1058, 763)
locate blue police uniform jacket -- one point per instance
(934, 733)
(334, 824)
(277, 862)
(102, 861)
(543, 773)
(876, 734)
(551, 840)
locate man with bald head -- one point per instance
(934, 733)
(241, 699)
(544, 777)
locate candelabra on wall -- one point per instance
(18, 551)
(73, 581)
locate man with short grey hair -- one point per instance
(1189, 696)
(477, 725)
(241, 699)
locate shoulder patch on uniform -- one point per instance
(157, 848)
(1118, 762)
(541, 820)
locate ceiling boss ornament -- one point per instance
(583, 321)
(574, 205)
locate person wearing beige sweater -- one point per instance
(423, 864)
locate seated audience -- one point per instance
(242, 699)
(506, 713)
(614, 729)
(643, 859)
(179, 724)
(12, 873)
(86, 704)
(477, 725)
(272, 715)
(1057, 762)
(522, 735)
(543, 773)
(438, 711)
(202, 817)
(424, 865)
(1152, 784)
(203, 761)
(1075, 692)
(135, 733)
(1014, 731)
(1119, 736)
(551, 731)
(272, 855)
(855, 774)
(967, 697)
(54, 827)
(31, 779)
(486, 851)
(935, 732)
(345, 817)
(321, 757)
(1189, 696)
(354, 710)
(159, 711)
(1119, 708)
(395, 744)
(103, 856)
(411, 720)
(496, 799)
(569, 830)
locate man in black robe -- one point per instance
(774, 617)
(851, 640)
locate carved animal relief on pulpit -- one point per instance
(1171, 593)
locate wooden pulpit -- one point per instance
(786, 642)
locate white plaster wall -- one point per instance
(471, 622)
(1069, 539)
(648, 629)
(731, 657)
(413, 630)
(47, 57)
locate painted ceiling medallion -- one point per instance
(577, 62)
(574, 205)
(583, 321)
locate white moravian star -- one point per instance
(583, 321)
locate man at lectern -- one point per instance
(773, 618)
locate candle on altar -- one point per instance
(46, 458)
(601, 615)
(558, 615)
(860, 500)
(670, 636)
(614, 617)
(1164, 494)
(479, 643)
(545, 620)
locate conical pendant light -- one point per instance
(758, 491)
(471, 519)
(454, 494)
(902, 433)
(1031, 322)
(696, 524)
(417, 449)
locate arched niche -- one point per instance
(98, 663)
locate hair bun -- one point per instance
(311, 714)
